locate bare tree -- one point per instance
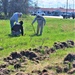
(11, 6)
(5, 6)
(18, 6)
(0, 6)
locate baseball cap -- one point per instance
(20, 14)
(39, 13)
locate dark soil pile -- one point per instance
(16, 59)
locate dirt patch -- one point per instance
(29, 54)
(62, 45)
(16, 59)
(70, 57)
(70, 61)
(4, 71)
(20, 73)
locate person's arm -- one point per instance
(34, 20)
(16, 18)
(44, 21)
(22, 32)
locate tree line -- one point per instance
(8, 7)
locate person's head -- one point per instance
(20, 14)
(21, 22)
(38, 14)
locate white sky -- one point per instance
(55, 3)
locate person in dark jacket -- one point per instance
(40, 21)
(17, 29)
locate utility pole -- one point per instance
(36, 5)
(73, 6)
(66, 7)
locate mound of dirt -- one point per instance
(62, 45)
(4, 71)
(43, 72)
(70, 57)
(34, 55)
(20, 73)
(70, 42)
(29, 54)
(15, 55)
(17, 59)
(70, 61)
(3, 65)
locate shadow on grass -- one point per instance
(34, 35)
(10, 35)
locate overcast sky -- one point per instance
(55, 3)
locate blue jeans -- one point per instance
(12, 23)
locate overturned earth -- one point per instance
(20, 59)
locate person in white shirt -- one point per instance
(40, 23)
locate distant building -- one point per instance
(53, 11)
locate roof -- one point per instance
(60, 9)
(54, 9)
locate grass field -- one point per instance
(55, 30)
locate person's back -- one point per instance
(17, 29)
(15, 17)
(40, 20)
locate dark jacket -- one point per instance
(18, 27)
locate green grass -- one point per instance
(54, 30)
